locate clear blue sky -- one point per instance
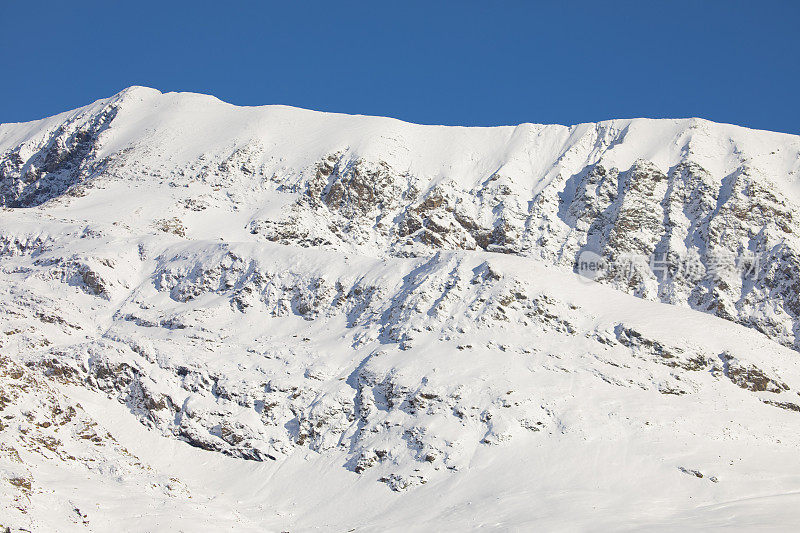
(459, 62)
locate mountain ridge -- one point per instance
(140, 90)
(360, 308)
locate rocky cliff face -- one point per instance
(725, 245)
(256, 282)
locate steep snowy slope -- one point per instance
(684, 211)
(276, 314)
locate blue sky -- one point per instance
(460, 62)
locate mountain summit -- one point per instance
(274, 318)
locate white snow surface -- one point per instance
(194, 125)
(224, 317)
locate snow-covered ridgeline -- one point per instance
(399, 299)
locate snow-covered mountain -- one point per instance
(273, 318)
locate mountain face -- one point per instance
(275, 315)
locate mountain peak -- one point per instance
(400, 313)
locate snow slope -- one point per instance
(278, 319)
